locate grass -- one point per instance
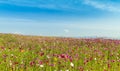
(37, 53)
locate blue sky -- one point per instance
(67, 18)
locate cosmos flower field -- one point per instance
(37, 53)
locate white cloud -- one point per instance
(29, 3)
(52, 4)
(66, 31)
(112, 7)
(65, 4)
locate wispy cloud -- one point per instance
(29, 3)
(103, 5)
(52, 4)
(73, 5)
(66, 31)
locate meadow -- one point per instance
(38, 53)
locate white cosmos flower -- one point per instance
(41, 49)
(12, 54)
(10, 63)
(48, 56)
(95, 58)
(41, 66)
(72, 64)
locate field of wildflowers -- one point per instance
(36, 53)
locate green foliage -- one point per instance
(33, 53)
